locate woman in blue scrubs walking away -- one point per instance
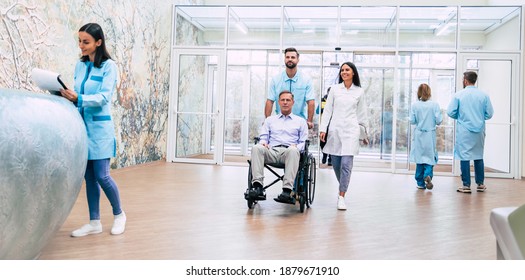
(95, 83)
(425, 115)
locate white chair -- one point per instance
(508, 224)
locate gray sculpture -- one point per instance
(43, 157)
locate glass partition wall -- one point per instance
(395, 49)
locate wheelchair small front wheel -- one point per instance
(250, 203)
(302, 202)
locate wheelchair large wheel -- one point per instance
(249, 201)
(311, 179)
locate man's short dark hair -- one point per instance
(284, 92)
(471, 77)
(291, 50)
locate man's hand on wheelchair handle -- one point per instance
(310, 124)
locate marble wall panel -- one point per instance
(43, 34)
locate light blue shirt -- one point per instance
(95, 88)
(284, 130)
(299, 86)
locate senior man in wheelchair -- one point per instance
(282, 138)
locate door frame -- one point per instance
(217, 112)
(515, 134)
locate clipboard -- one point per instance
(60, 82)
(48, 80)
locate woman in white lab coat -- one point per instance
(345, 111)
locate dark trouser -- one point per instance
(97, 176)
(422, 171)
(479, 172)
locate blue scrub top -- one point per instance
(95, 88)
(299, 86)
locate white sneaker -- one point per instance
(341, 203)
(119, 224)
(93, 227)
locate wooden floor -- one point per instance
(198, 212)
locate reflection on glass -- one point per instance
(190, 137)
(195, 102)
(192, 95)
(200, 26)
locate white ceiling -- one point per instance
(417, 19)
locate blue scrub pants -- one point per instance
(479, 172)
(343, 170)
(97, 176)
(422, 171)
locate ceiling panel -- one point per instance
(356, 18)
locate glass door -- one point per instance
(248, 75)
(196, 100)
(376, 73)
(498, 77)
(437, 69)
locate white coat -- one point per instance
(345, 110)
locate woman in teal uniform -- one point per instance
(95, 83)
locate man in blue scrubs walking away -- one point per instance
(471, 107)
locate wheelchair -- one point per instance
(304, 185)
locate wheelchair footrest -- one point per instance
(285, 199)
(254, 195)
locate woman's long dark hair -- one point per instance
(355, 79)
(101, 53)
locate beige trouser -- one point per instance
(289, 157)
